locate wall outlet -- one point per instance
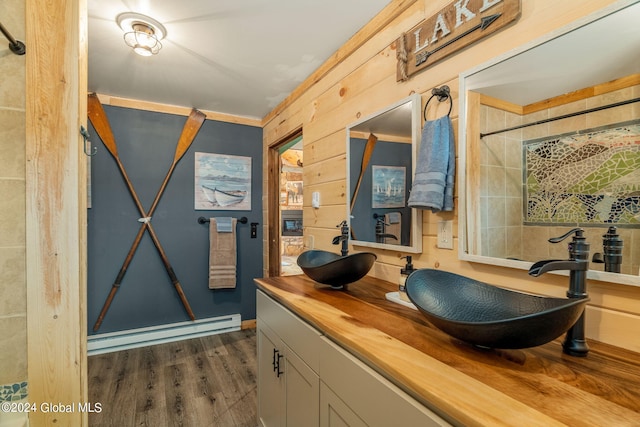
(445, 234)
(315, 199)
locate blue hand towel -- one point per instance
(394, 217)
(223, 224)
(433, 183)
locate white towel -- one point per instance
(433, 183)
(222, 256)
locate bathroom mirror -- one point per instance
(381, 158)
(524, 183)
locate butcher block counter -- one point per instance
(466, 385)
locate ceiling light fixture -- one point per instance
(142, 33)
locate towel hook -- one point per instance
(87, 143)
(443, 93)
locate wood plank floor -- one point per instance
(208, 381)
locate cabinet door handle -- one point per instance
(278, 371)
(273, 360)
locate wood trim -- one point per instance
(621, 83)
(157, 107)
(473, 181)
(377, 24)
(500, 104)
(248, 324)
(273, 220)
(56, 216)
(273, 202)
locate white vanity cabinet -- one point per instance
(288, 360)
(319, 383)
(352, 394)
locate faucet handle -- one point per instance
(559, 239)
(342, 224)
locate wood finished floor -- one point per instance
(208, 381)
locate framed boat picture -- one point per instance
(222, 182)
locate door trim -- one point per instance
(273, 202)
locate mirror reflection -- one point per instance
(381, 152)
(553, 135)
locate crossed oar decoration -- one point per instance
(101, 125)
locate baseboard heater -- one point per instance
(141, 337)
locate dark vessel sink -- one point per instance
(333, 269)
(489, 316)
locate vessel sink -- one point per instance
(333, 269)
(489, 316)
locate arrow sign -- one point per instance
(484, 23)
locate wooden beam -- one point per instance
(56, 64)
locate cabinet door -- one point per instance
(334, 412)
(270, 384)
(373, 398)
(302, 392)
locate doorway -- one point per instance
(285, 205)
(291, 193)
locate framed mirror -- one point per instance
(549, 141)
(381, 159)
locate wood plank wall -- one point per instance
(56, 107)
(353, 85)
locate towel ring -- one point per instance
(443, 93)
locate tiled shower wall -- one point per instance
(501, 186)
(503, 233)
(13, 300)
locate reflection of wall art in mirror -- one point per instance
(388, 189)
(586, 177)
(222, 182)
(381, 151)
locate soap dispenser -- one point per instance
(404, 273)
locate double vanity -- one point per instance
(536, 157)
(351, 357)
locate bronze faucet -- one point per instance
(574, 343)
(343, 237)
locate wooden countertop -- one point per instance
(464, 384)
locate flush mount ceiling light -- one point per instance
(142, 33)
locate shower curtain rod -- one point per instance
(16, 46)
(565, 116)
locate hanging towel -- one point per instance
(224, 224)
(433, 183)
(222, 253)
(393, 217)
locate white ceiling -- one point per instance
(239, 57)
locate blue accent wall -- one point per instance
(146, 143)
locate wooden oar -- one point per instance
(366, 157)
(101, 124)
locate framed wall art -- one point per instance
(222, 182)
